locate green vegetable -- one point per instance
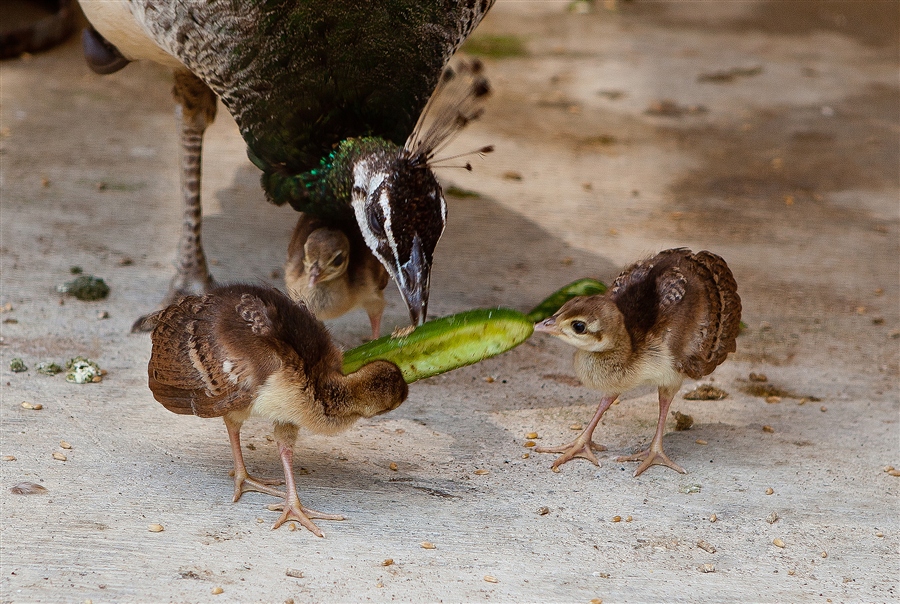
(85, 287)
(582, 287)
(447, 343)
(17, 365)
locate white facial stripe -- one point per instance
(369, 183)
(384, 202)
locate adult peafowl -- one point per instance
(328, 96)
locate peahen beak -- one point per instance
(414, 280)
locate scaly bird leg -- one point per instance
(196, 110)
(243, 482)
(655, 454)
(292, 508)
(582, 446)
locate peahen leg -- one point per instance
(196, 109)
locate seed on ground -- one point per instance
(617, 519)
(543, 510)
(707, 568)
(59, 456)
(888, 468)
(64, 444)
(713, 518)
(8, 458)
(792, 572)
(772, 518)
(393, 466)
(217, 590)
(530, 443)
(879, 534)
(531, 435)
(155, 528)
(489, 379)
(893, 472)
(491, 579)
(427, 545)
(387, 562)
(824, 554)
(777, 542)
(758, 377)
(706, 546)
(823, 408)
(525, 455)
(700, 441)
(292, 526)
(32, 406)
(482, 471)
(773, 399)
(768, 429)
(575, 427)
(769, 491)
(596, 601)
(296, 573)
(628, 518)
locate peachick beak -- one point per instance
(547, 326)
(414, 282)
(314, 273)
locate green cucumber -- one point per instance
(582, 287)
(447, 343)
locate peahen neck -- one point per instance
(327, 187)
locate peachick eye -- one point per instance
(578, 326)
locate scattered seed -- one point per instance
(768, 429)
(888, 468)
(823, 408)
(879, 534)
(532, 435)
(59, 456)
(8, 458)
(489, 379)
(525, 455)
(32, 406)
(155, 528)
(628, 518)
(617, 519)
(773, 399)
(597, 600)
(294, 572)
(769, 491)
(530, 443)
(758, 377)
(103, 314)
(387, 562)
(575, 427)
(482, 472)
(777, 542)
(700, 441)
(427, 545)
(772, 518)
(543, 510)
(393, 466)
(379, 584)
(491, 579)
(27, 488)
(707, 568)
(217, 590)
(64, 444)
(706, 546)
(713, 518)
(824, 554)
(894, 472)
(555, 469)
(292, 526)
(792, 572)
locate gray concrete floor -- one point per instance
(783, 159)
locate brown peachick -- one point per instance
(333, 275)
(243, 350)
(672, 316)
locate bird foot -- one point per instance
(247, 483)
(580, 447)
(293, 510)
(651, 457)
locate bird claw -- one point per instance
(247, 483)
(583, 448)
(296, 512)
(651, 457)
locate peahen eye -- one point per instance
(376, 221)
(579, 326)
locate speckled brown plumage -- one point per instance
(244, 350)
(674, 315)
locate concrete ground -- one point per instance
(766, 131)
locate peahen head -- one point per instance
(396, 198)
(400, 209)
